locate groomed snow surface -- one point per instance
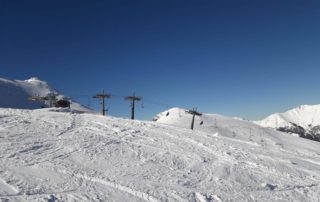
(53, 155)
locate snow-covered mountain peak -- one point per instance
(174, 112)
(304, 115)
(17, 93)
(34, 79)
(303, 120)
(37, 82)
(179, 116)
(212, 124)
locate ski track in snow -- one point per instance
(139, 194)
(7, 188)
(58, 156)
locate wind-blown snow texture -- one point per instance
(16, 94)
(48, 155)
(303, 120)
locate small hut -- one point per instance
(63, 103)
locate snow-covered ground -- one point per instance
(16, 94)
(51, 155)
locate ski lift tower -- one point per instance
(133, 99)
(194, 113)
(50, 97)
(102, 96)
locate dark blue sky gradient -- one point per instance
(236, 58)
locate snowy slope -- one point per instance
(212, 123)
(47, 155)
(16, 94)
(303, 120)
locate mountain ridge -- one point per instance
(303, 120)
(17, 93)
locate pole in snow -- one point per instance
(194, 113)
(102, 97)
(133, 99)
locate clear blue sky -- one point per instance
(237, 58)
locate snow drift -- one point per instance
(47, 155)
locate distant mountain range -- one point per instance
(16, 94)
(303, 121)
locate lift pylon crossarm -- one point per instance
(102, 96)
(133, 98)
(194, 112)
